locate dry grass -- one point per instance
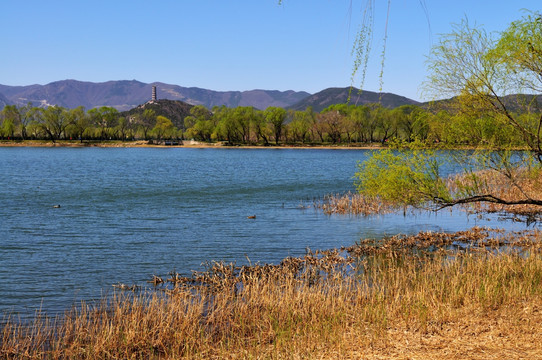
(521, 184)
(388, 300)
(525, 184)
(354, 204)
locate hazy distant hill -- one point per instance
(127, 94)
(331, 96)
(4, 101)
(175, 110)
(260, 99)
(124, 95)
(521, 103)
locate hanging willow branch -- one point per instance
(363, 43)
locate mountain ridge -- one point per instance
(351, 95)
(127, 94)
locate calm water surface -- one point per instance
(129, 213)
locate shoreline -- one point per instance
(403, 305)
(202, 145)
(187, 144)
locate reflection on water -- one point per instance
(126, 214)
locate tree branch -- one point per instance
(484, 198)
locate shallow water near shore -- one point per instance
(127, 213)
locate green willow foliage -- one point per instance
(403, 177)
(337, 124)
(484, 76)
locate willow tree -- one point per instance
(163, 128)
(484, 76)
(80, 121)
(10, 117)
(54, 121)
(276, 118)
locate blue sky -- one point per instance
(231, 44)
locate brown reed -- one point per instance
(518, 184)
(354, 204)
(403, 297)
(521, 184)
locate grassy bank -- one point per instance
(405, 297)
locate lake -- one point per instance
(128, 213)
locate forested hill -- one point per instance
(174, 110)
(124, 95)
(331, 96)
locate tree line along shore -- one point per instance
(342, 124)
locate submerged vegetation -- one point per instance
(405, 296)
(354, 204)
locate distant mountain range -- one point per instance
(124, 95)
(133, 97)
(128, 94)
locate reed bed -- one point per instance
(519, 184)
(403, 297)
(354, 204)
